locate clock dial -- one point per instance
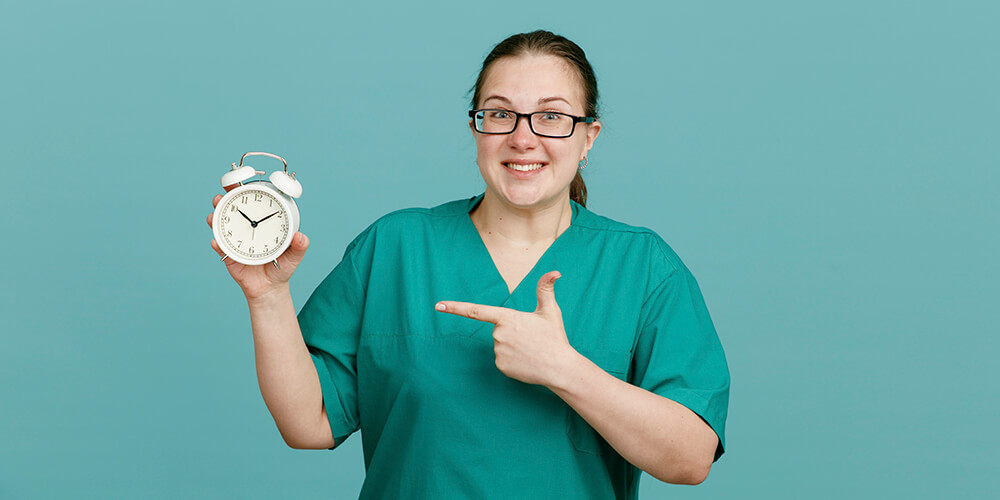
(253, 224)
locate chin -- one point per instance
(520, 198)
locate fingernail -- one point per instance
(439, 306)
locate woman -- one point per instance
(444, 336)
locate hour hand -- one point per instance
(268, 217)
(247, 218)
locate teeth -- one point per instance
(524, 168)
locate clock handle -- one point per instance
(261, 153)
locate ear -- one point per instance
(593, 129)
(472, 128)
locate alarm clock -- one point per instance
(255, 221)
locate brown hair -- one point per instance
(545, 42)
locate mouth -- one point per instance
(527, 167)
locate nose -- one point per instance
(522, 137)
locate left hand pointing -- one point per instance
(530, 347)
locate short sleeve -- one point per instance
(678, 354)
(331, 322)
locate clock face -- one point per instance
(252, 224)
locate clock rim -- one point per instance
(288, 205)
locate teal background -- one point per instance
(828, 172)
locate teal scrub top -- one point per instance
(437, 418)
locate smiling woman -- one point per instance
(522, 169)
(443, 336)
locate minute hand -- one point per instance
(268, 217)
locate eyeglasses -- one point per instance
(542, 123)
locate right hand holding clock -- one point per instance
(259, 281)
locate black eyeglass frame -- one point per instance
(517, 120)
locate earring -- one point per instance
(581, 167)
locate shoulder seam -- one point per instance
(625, 229)
(649, 233)
(660, 284)
(418, 211)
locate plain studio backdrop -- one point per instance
(827, 171)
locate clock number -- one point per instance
(265, 248)
(238, 243)
(250, 249)
(258, 197)
(229, 233)
(244, 200)
(276, 239)
(270, 203)
(225, 218)
(232, 208)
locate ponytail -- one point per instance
(578, 190)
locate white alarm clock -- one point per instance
(255, 222)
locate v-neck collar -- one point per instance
(483, 257)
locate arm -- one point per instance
(286, 374)
(656, 434)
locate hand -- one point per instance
(259, 281)
(530, 347)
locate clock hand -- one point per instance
(252, 223)
(268, 217)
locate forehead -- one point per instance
(525, 79)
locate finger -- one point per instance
(209, 219)
(216, 199)
(478, 312)
(293, 255)
(547, 292)
(215, 246)
(229, 262)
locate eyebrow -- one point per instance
(543, 100)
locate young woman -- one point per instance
(445, 337)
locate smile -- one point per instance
(524, 168)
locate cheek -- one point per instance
(579, 145)
(487, 147)
(570, 151)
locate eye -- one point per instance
(499, 114)
(551, 117)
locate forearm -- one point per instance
(286, 374)
(656, 434)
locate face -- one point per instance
(523, 170)
(252, 225)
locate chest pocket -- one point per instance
(584, 438)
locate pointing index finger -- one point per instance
(478, 312)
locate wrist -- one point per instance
(269, 296)
(567, 369)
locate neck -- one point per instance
(497, 220)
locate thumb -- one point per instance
(295, 252)
(547, 292)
